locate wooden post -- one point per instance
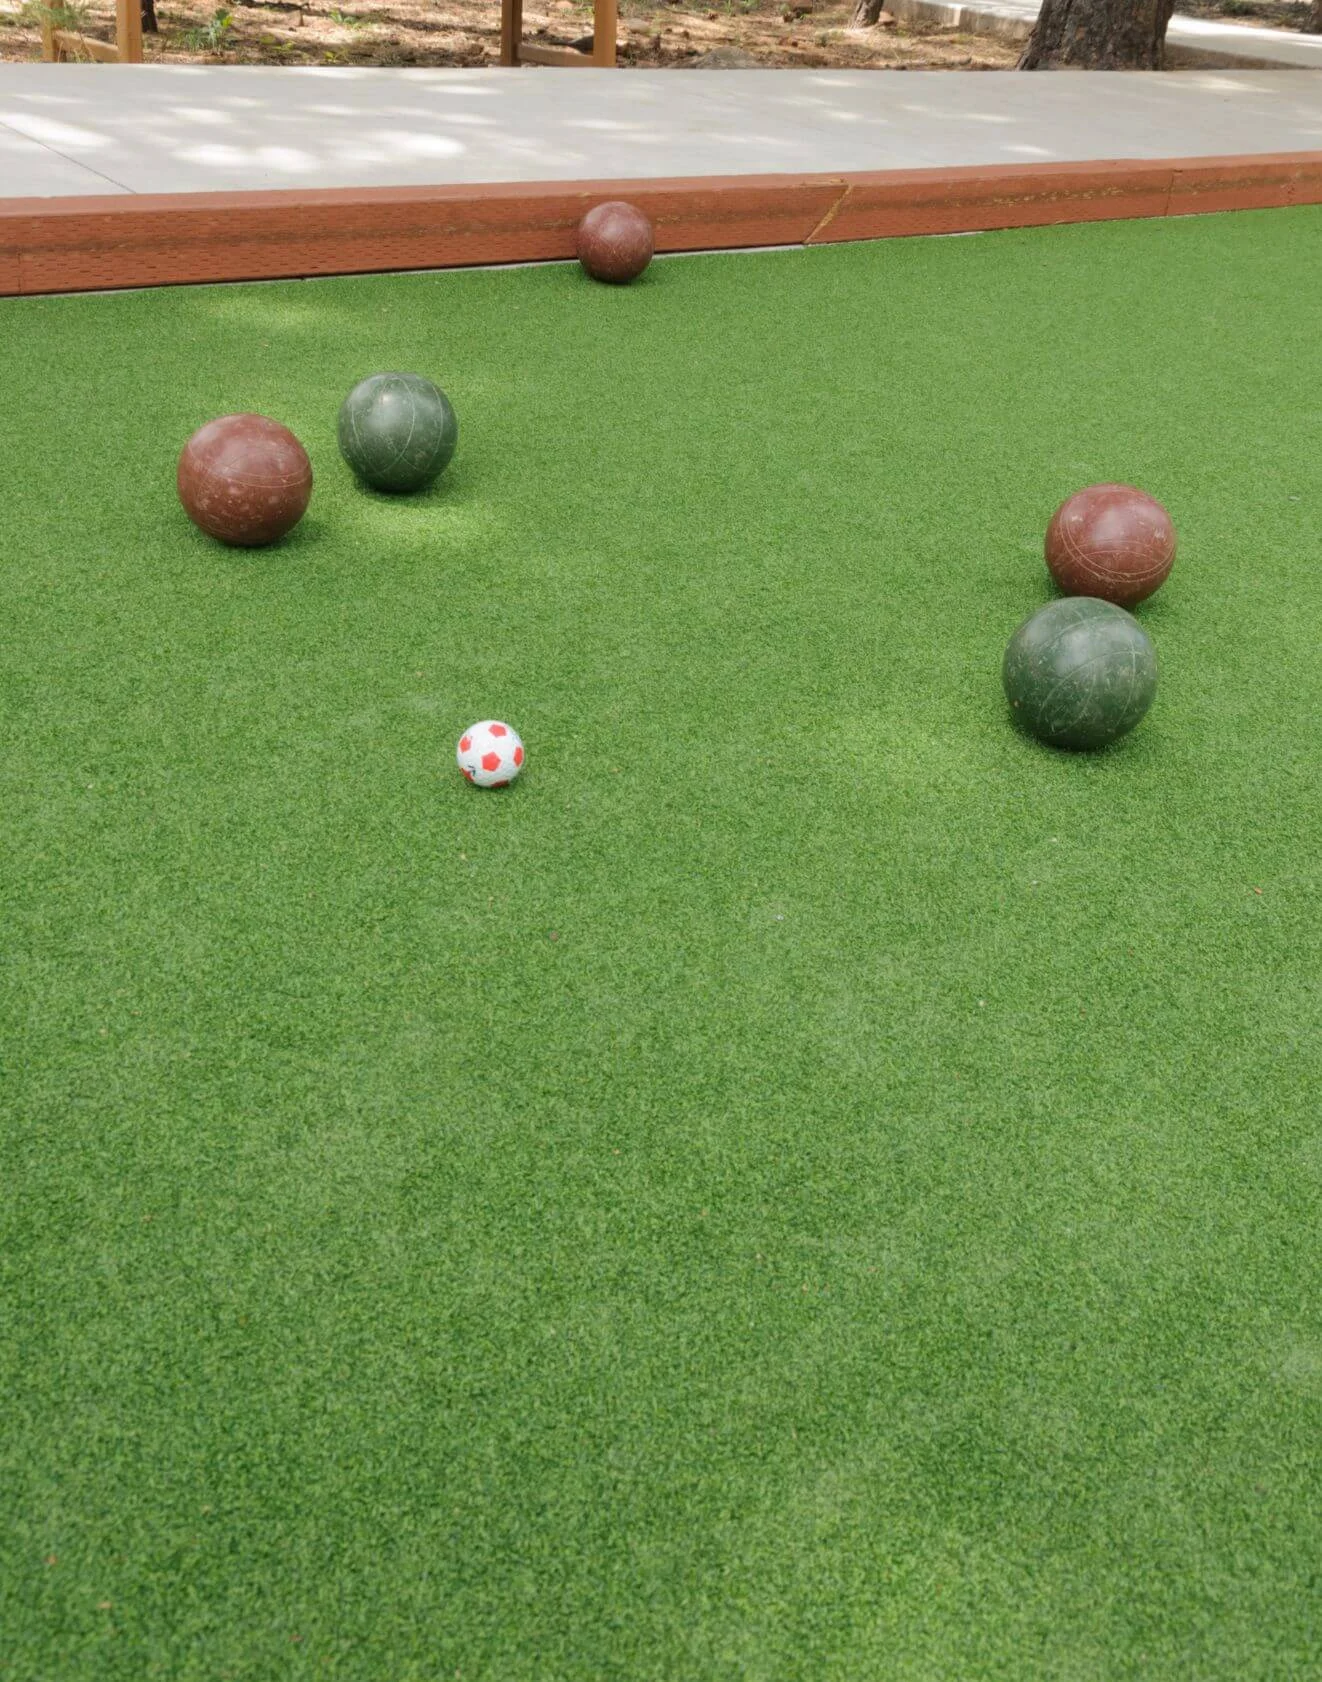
(128, 30)
(511, 30)
(50, 47)
(605, 27)
(604, 31)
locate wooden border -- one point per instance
(110, 240)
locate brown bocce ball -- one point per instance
(1111, 541)
(244, 479)
(615, 242)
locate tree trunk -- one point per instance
(1099, 35)
(149, 23)
(866, 13)
(1314, 24)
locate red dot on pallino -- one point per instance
(465, 742)
(468, 773)
(499, 730)
(518, 756)
(491, 762)
(505, 784)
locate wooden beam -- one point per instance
(68, 44)
(530, 53)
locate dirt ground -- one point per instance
(467, 32)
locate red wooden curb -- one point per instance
(81, 244)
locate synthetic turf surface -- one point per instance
(808, 1184)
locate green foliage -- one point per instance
(73, 15)
(215, 36)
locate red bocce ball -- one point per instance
(1110, 541)
(244, 479)
(615, 242)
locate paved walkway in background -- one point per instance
(90, 129)
(1189, 41)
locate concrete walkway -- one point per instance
(75, 130)
(124, 175)
(1201, 42)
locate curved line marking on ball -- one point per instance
(1085, 700)
(217, 476)
(1082, 559)
(1071, 675)
(403, 448)
(353, 423)
(1079, 619)
(1053, 724)
(1133, 679)
(1158, 567)
(437, 451)
(434, 454)
(1161, 560)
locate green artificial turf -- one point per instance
(807, 1184)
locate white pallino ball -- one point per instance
(490, 754)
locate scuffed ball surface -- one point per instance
(397, 431)
(615, 242)
(244, 479)
(1080, 673)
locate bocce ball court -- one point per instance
(809, 1181)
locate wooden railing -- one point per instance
(126, 48)
(515, 50)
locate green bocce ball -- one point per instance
(397, 431)
(1080, 673)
